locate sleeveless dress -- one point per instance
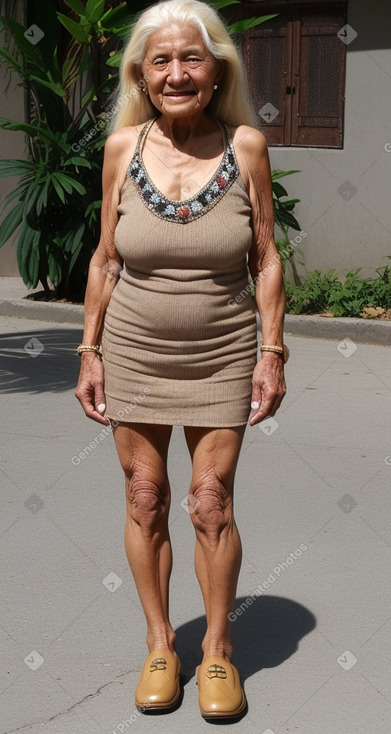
(180, 339)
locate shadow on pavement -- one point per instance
(39, 360)
(267, 633)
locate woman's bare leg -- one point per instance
(218, 551)
(142, 450)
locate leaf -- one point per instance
(218, 4)
(75, 29)
(43, 197)
(75, 256)
(241, 26)
(16, 168)
(114, 16)
(58, 188)
(11, 222)
(290, 203)
(287, 219)
(76, 5)
(88, 96)
(64, 183)
(27, 254)
(77, 161)
(68, 183)
(54, 268)
(115, 60)
(31, 196)
(278, 189)
(278, 173)
(34, 131)
(94, 10)
(23, 44)
(17, 193)
(12, 63)
(54, 87)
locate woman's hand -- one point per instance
(90, 387)
(268, 387)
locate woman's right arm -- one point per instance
(100, 285)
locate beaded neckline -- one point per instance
(188, 209)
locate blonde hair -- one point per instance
(230, 103)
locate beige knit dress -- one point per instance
(180, 342)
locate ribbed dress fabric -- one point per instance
(177, 348)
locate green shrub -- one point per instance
(326, 292)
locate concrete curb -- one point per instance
(59, 313)
(363, 331)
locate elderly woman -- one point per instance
(170, 326)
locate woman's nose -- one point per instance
(176, 71)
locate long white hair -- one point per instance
(230, 102)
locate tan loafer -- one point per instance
(219, 689)
(158, 686)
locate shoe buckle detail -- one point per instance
(216, 671)
(158, 664)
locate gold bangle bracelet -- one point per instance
(89, 348)
(274, 348)
(284, 351)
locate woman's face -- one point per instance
(181, 72)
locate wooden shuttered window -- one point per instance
(296, 69)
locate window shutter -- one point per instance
(318, 67)
(268, 56)
(296, 71)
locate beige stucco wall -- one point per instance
(356, 232)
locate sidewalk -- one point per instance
(312, 622)
(13, 302)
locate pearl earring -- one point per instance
(216, 86)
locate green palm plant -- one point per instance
(57, 201)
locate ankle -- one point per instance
(220, 648)
(161, 640)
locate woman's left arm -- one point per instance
(266, 271)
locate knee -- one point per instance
(147, 501)
(212, 507)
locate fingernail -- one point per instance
(255, 405)
(101, 407)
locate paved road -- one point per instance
(312, 503)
